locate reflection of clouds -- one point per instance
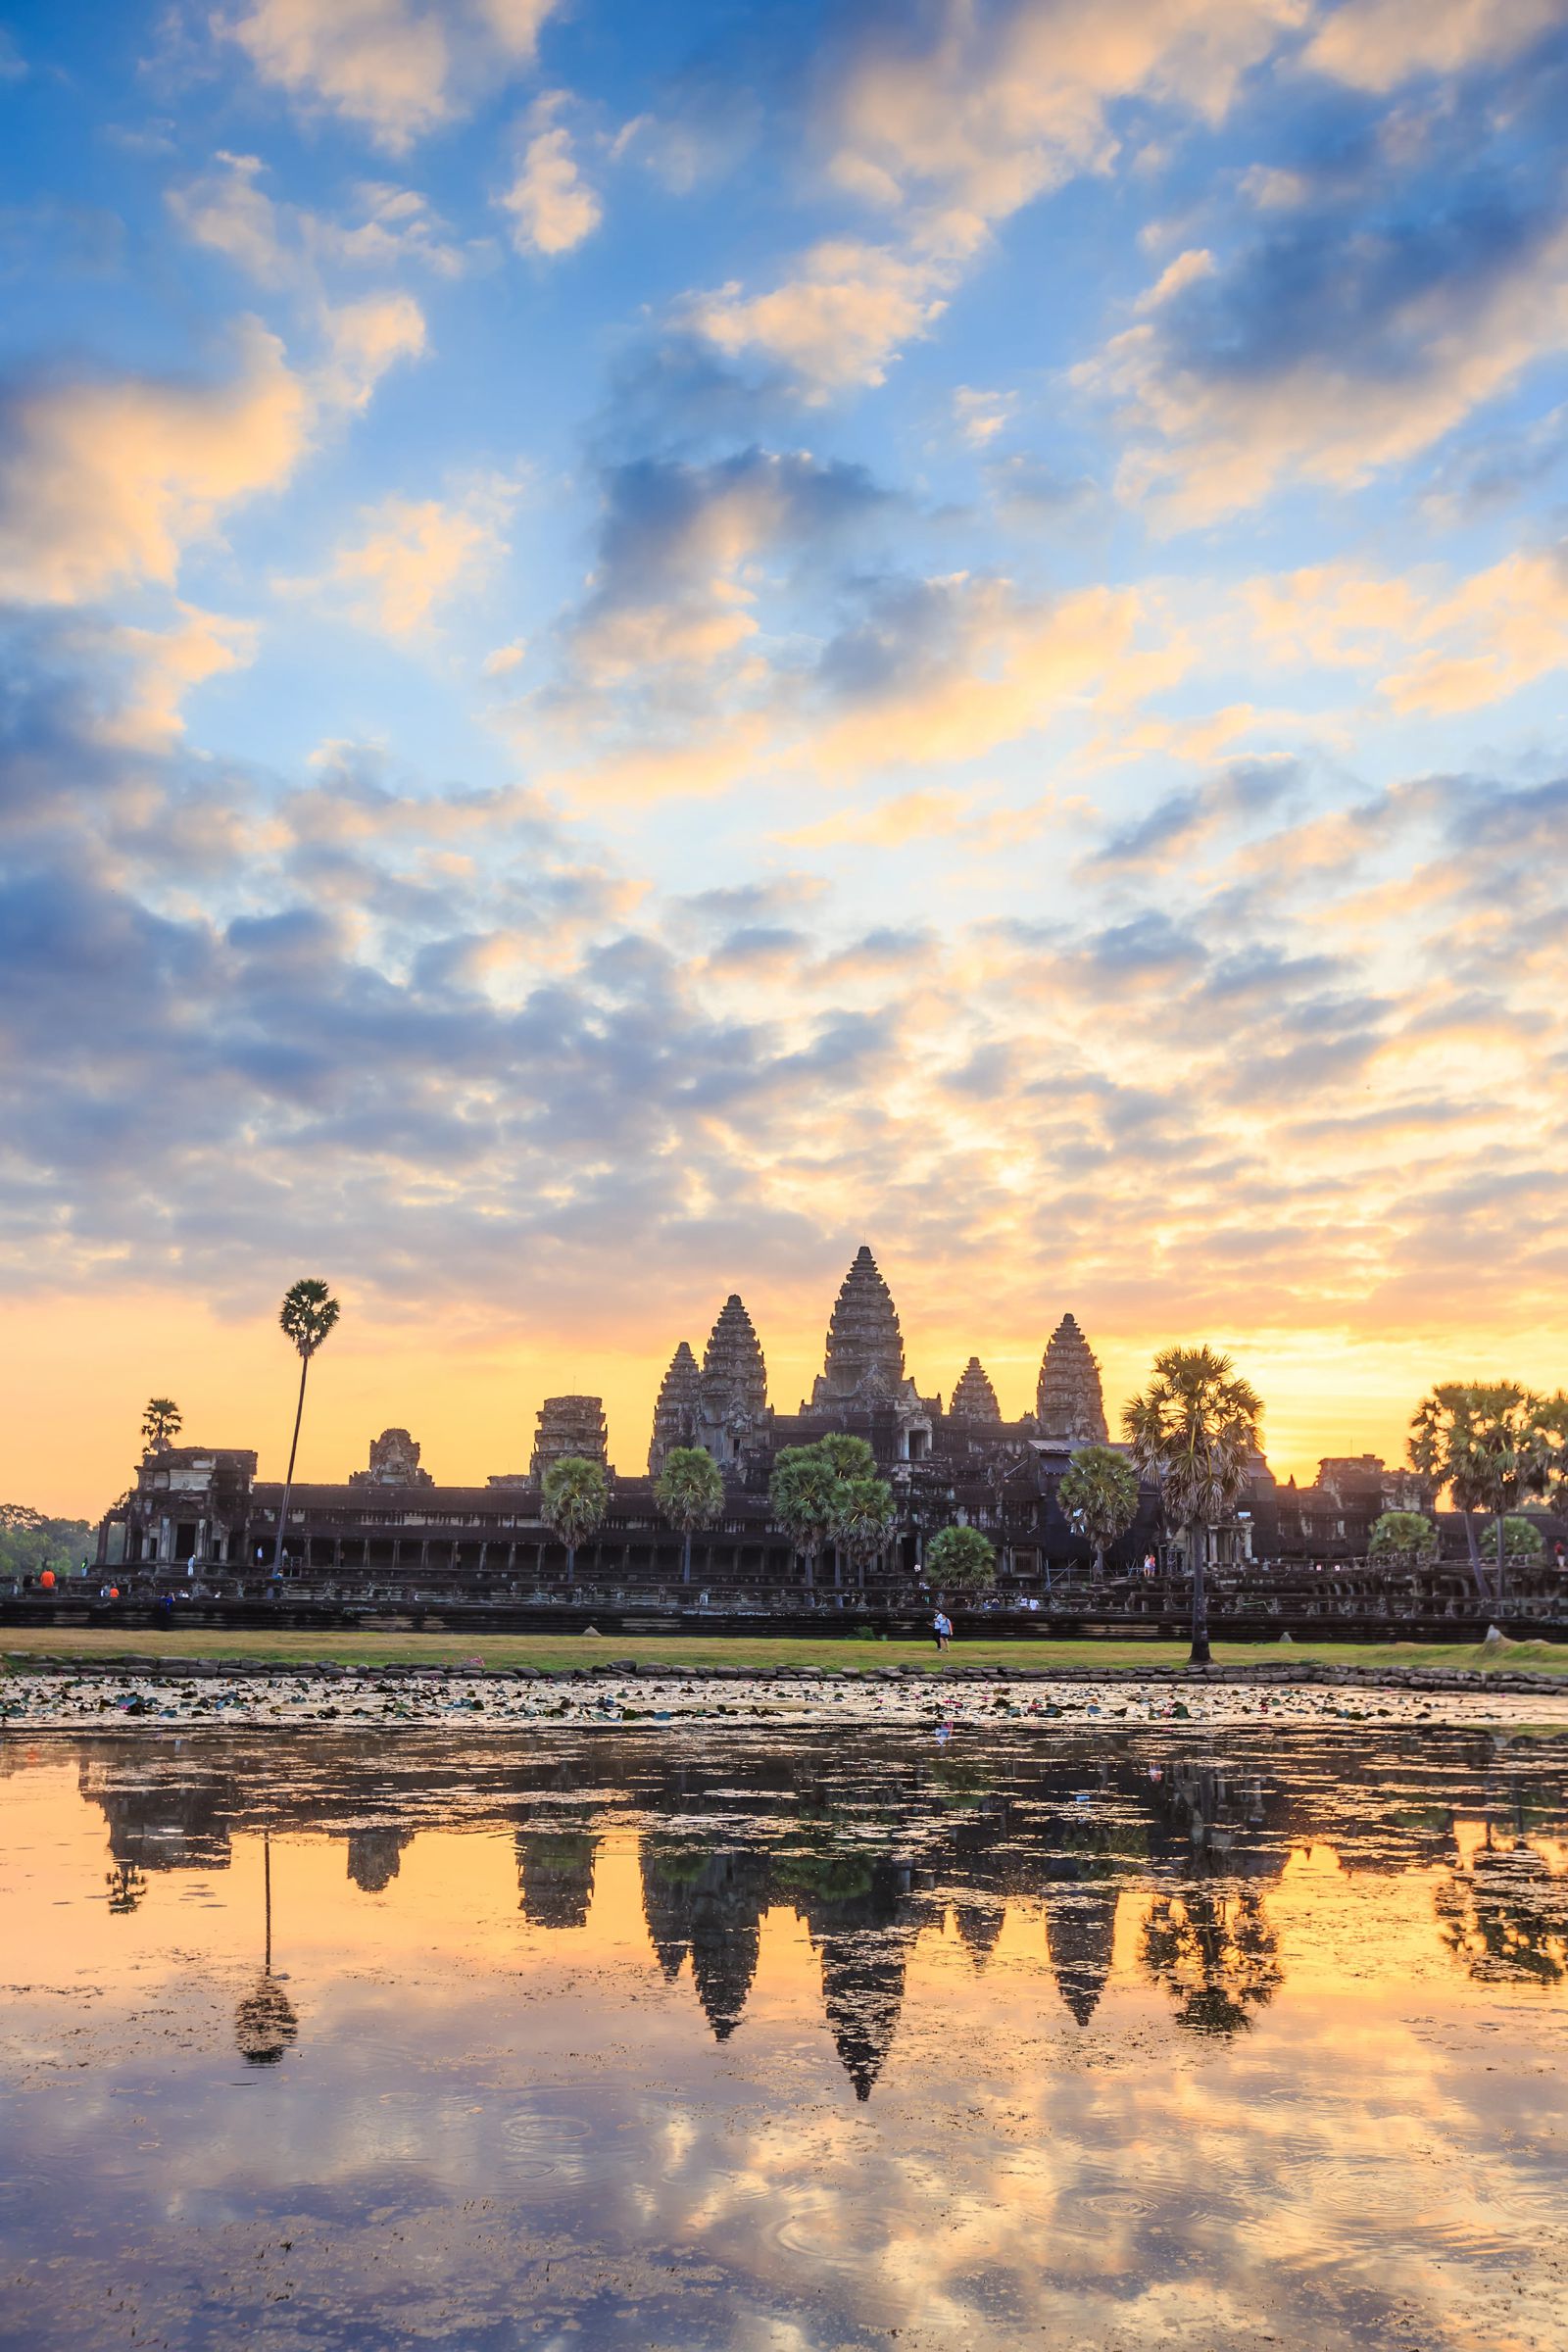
(504, 2095)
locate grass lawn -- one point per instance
(682, 1650)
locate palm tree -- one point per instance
(161, 1423)
(1099, 1493)
(805, 1492)
(573, 1495)
(1491, 1444)
(1195, 1429)
(264, 2023)
(690, 1492)
(307, 1314)
(960, 1559)
(865, 1515)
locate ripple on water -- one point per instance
(553, 2154)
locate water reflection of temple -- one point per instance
(872, 1844)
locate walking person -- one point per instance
(941, 1628)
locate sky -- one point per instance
(643, 644)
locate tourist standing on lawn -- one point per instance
(942, 1627)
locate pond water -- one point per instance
(786, 2041)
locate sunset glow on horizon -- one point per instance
(644, 645)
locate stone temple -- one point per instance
(394, 1526)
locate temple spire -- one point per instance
(1071, 1405)
(732, 1387)
(864, 1345)
(675, 1413)
(974, 1399)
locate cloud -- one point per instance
(228, 211)
(104, 483)
(412, 554)
(1437, 648)
(840, 321)
(981, 416)
(364, 339)
(230, 214)
(950, 120)
(1344, 345)
(1378, 44)
(396, 69)
(168, 664)
(673, 587)
(1181, 822)
(950, 668)
(552, 206)
(986, 110)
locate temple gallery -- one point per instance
(203, 1507)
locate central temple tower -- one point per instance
(863, 1375)
(864, 1345)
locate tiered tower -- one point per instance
(974, 1399)
(864, 1344)
(732, 1387)
(1071, 1405)
(573, 1425)
(676, 1414)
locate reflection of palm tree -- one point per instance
(1216, 1952)
(265, 2024)
(1507, 1918)
(127, 1886)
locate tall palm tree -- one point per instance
(689, 1493)
(865, 1516)
(161, 1423)
(572, 1496)
(805, 1492)
(307, 1314)
(1099, 1492)
(1195, 1429)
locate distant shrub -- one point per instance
(1404, 1537)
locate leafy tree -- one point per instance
(960, 1559)
(161, 1423)
(307, 1317)
(689, 1493)
(31, 1541)
(805, 1495)
(865, 1515)
(1099, 1493)
(1488, 1443)
(573, 1494)
(1406, 1538)
(1522, 1538)
(1195, 1429)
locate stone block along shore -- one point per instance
(40, 1694)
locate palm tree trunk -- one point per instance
(571, 1563)
(1199, 1651)
(1499, 1559)
(686, 1559)
(1100, 1563)
(289, 1482)
(1474, 1549)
